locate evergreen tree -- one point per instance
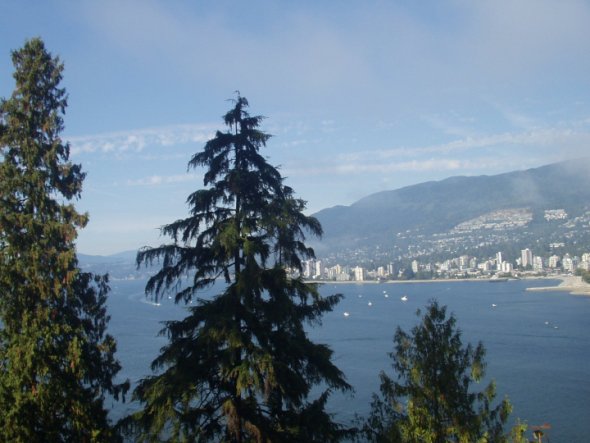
(240, 366)
(56, 362)
(433, 400)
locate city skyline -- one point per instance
(359, 97)
(464, 266)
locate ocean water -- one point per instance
(537, 343)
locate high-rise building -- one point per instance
(526, 257)
(538, 263)
(463, 262)
(319, 269)
(390, 269)
(308, 268)
(568, 263)
(554, 261)
(499, 261)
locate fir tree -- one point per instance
(56, 361)
(433, 399)
(240, 367)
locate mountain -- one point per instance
(120, 265)
(438, 207)
(471, 215)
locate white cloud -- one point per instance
(457, 127)
(488, 152)
(566, 140)
(138, 140)
(156, 180)
(450, 165)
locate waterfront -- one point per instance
(537, 342)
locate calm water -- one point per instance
(538, 343)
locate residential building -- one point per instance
(359, 273)
(526, 257)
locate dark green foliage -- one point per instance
(56, 363)
(433, 399)
(240, 366)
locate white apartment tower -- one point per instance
(554, 261)
(359, 273)
(308, 268)
(526, 257)
(499, 261)
(538, 263)
(568, 263)
(319, 269)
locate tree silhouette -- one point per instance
(240, 366)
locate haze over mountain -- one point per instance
(393, 220)
(439, 206)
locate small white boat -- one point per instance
(370, 304)
(404, 298)
(494, 305)
(346, 314)
(385, 295)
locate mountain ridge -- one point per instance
(438, 206)
(429, 208)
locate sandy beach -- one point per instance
(573, 284)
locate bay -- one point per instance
(538, 343)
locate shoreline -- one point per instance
(572, 284)
(569, 283)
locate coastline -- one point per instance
(568, 283)
(394, 282)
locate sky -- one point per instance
(359, 97)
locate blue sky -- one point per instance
(359, 96)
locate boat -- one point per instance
(404, 298)
(370, 304)
(346, 314)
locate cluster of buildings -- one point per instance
(464, 266)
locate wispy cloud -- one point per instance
(568, 140)
(137, 140)
(460, 127)
(156, 180)
(452, 166)
(490, 152)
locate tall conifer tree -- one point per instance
(56, 361)
(240, 366)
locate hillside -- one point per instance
(472, 215)
(437, 207)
